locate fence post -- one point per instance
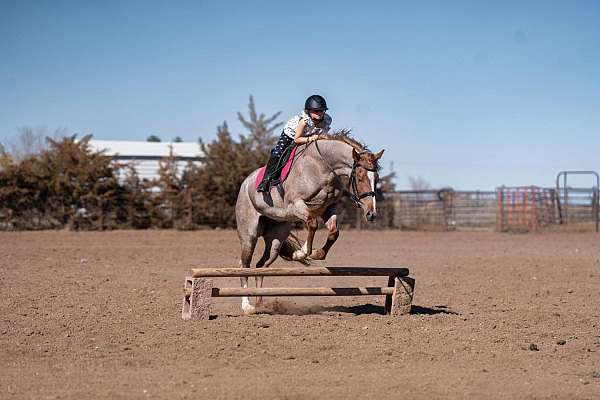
(566, 201)
(499, 210)
(534, 208)
(595, 207)
(525, 207)
(511, 207)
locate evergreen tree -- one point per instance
(153, 138)
(137, 200)
(262, 131)
(84, 184)
(66, 184)
(215, 184)
(166, 206)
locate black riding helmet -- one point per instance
(316, 103)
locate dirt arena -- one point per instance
(98, 315)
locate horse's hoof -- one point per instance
(299, 255)
(249, 309)
(318, 254)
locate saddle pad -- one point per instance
(284, 172)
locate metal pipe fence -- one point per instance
(505, 209)
(444, 209)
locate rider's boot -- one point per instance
(265, 184)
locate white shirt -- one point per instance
(310, 129)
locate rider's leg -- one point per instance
(273, 168)
(265, 184)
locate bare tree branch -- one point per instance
(261, 128)
(418, 183)
(27, 142)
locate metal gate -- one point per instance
(573, 203)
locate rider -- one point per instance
(300, 129)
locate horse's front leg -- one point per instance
(330, 218)
(300, 210)
(306, 249)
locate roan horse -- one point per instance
(311, 190)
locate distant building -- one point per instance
(145, 156)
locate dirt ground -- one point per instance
(98, 315)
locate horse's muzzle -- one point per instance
(370, 215)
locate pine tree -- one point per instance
(166, 205)
(153, 138)
(84, 185)
(66, 183)
(262, 131)
(215, 184)
(137, 200)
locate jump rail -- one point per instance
(306, 271)
(199, 290)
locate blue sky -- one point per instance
(468, 94)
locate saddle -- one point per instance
(287, 159)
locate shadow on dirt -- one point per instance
(375, 309)
(282, 308)
(357, 310)
(418, 310)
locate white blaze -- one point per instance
(371, 176)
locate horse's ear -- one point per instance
(355, 154)
(378, 155)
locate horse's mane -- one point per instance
(344, 135)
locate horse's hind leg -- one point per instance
(275, 234)
(248, 238)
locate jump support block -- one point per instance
(400, 301)
(198, 292)
(197, 298)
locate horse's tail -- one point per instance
(289, 246)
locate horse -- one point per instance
(311, 190)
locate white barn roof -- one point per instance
(133, 149)
(145, 156)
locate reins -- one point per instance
(281, 163)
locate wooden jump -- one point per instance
(311, 291)
(306, 271)
(199, 290)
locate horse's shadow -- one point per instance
(278, 308)
(375, 309)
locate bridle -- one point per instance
(354, 195)
(352, 190)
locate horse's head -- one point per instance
(364, 180)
